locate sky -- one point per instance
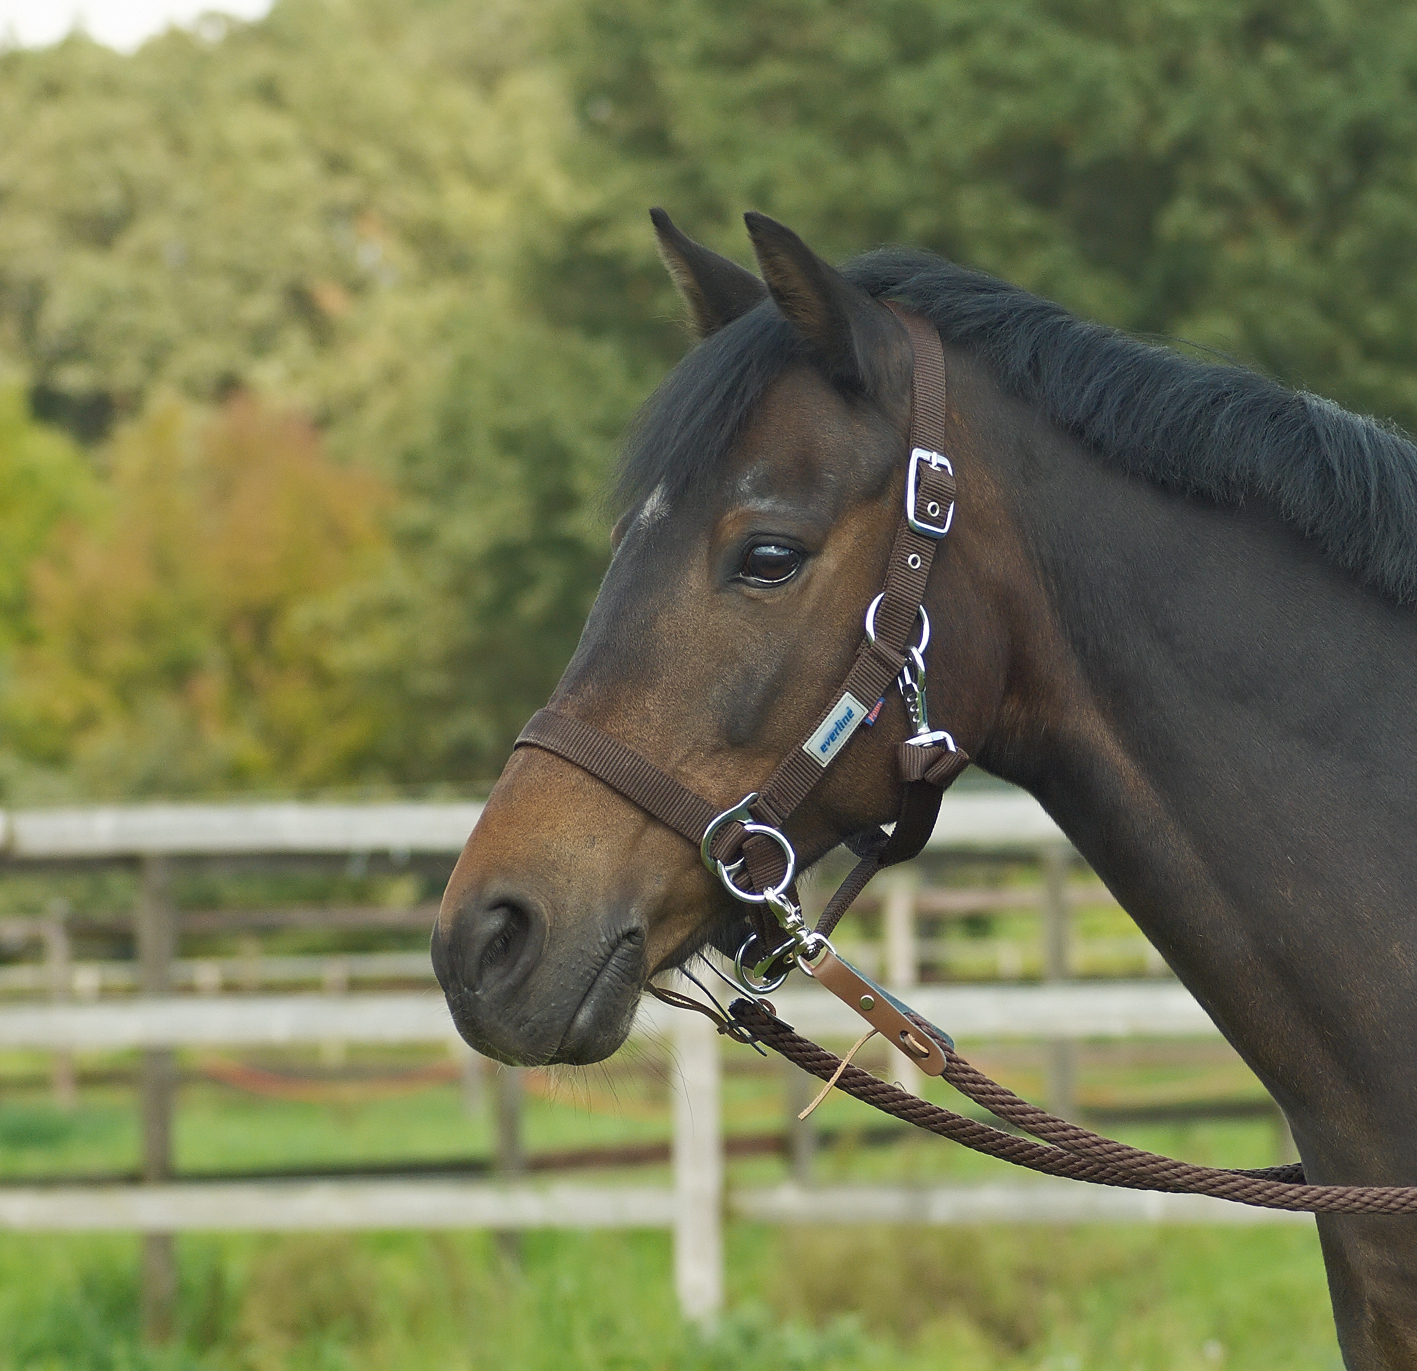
(122, 24)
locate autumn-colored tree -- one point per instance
(189, 633)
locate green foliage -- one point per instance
(329, 209)
(499, 447)
(1147, 1299)
(1237, 174)
(253, 208)
(44, 478)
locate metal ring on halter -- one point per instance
(741, 814)
(726, 873)
(871, 624)
(745, 977)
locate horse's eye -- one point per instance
(770, 564)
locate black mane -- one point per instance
(1215, 431)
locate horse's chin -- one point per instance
(606, 1014)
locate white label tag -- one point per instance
(835, 729)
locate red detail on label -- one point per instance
(875, 712)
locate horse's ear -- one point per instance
(716, 290)
(851, 333)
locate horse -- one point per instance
(1176, 605)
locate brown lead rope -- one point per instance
(1066, 1149)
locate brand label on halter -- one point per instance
(846, 716)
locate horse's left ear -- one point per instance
(854, 337)
(716, 290)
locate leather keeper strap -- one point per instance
(937, 766)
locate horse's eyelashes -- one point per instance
(770, 564)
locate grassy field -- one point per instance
(1134, 1299)
(819, 1300)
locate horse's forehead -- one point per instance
(796, 434)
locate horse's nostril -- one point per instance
(509, 927)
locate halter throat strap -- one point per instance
(745, 844)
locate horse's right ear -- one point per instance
(716, 290)
(855, 339)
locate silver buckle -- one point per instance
(935, 460)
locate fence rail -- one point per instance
(368, 1205)
(967, 819)
(1076, 1010)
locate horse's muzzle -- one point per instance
(516, 996)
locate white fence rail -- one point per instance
(984, 818)
(369, 1205)
(1070, 1010)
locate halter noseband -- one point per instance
(745, 846)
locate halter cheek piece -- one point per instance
(745, 846)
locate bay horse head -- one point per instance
(764, 480)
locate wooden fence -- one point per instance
(692, 1207)
(156, 1021)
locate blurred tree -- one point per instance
(1233, 172)
(249, 204)
(500, 441)
(421, 223)
(44, 478)
(188, 633)
(331, 208)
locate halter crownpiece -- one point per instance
(745, 845)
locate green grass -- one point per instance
(1132, 1299)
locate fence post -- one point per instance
(799, 1089)
(509, 1157)
(335, 981)
(902, 958)
(472, 1073)
(698, 1171)
(58, 956)
(157, 939)
(1057, 930)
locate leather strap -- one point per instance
(637, 778)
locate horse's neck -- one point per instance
(1235, 754)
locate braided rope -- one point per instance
(1066, 1149)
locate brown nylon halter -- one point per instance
(928, 763)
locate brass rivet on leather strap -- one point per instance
(913, 1044)
(868, 1002)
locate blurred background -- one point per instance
(317, 330)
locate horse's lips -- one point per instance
(595, 1030)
